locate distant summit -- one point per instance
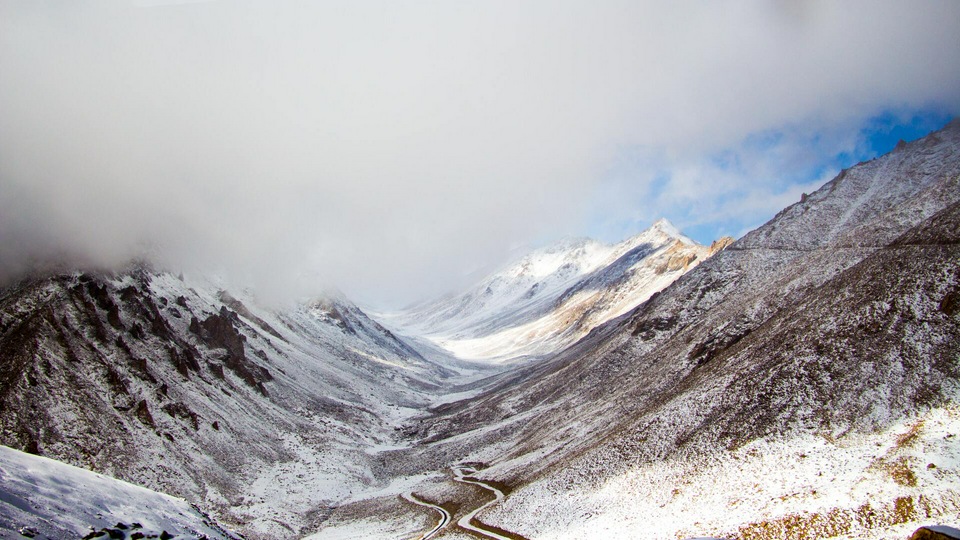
(555, 295)
(664, 226)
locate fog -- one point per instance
(389, 149)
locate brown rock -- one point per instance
(935, 532)
(143, 413)
(720, 244)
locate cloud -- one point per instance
(735, 189)
(729, 191)
(388, 148)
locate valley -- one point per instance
(800, 382)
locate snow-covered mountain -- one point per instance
(265, 418)
(803, 383)
(554, 296)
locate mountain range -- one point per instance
(799, 382)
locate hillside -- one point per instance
(805, 379)
(179, 386)
(46, 499)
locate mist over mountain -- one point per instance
(800, 382)
(387, 152)
(669, 271)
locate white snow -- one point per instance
(60, 501)
(720, 492)
(349, 389)
(552, 297)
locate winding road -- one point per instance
(444, 515)
(463, 474)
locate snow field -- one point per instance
(761, 486)
(58, 501)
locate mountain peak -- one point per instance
(661, 231)
(664, 224)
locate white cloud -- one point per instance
(388, 147)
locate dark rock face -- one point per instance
(179, 410)
(185, 360)
(143, 413)
(219, 331)
(950, 304)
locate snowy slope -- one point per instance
(832, 322)
(803, 383)
(825, 417)
(45, 499)
(554, 296)
(265, 418)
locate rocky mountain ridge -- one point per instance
(554, 296)
(830, 328)
(184, 388)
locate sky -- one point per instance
(394, 149)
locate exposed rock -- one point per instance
(143, 413)
(184, 359)
(951, 302)
(239, 308)
(219, 331)
(679, 258)
(719, 245)
(936, 532)
(183, 412)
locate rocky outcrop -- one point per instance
(936, 532)
(719, 245)
(242, 310)
(679, 258)
(219, 331)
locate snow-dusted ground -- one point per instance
(850, 486)
(800, 385)
(296, 419)
(51, 500)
